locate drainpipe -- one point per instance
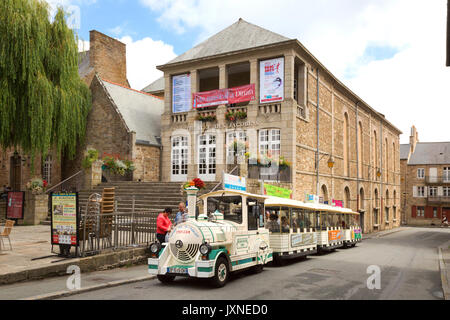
(318, 131)
(357, 158)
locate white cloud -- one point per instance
(409, 88)
(142, 58)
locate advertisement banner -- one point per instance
(64, 218)
(274, 191)
(356, 234)
(15, 207)
(210, 98)
(224, 96)
(335, 235)
(337, 203)
(272, 80)
(231, 182)
(303, 239)
(241, 94)
(181, 93)
(311, 198)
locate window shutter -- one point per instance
(428, 212)
(415, 191)
(425, 193)
(440, 191)
(414, 212)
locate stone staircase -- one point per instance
(149, 196)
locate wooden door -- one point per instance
(16, 173)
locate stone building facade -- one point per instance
(319, 121)
(425, 181)
(123, 123)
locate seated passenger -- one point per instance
(284, 224)
(272, 224)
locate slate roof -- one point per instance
(155, 86)
(431, 153)
(140, 111)
(404, 151)
(239, 36)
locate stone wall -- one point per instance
(28, 171)
(108, 58)
(147, 163)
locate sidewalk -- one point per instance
(56, 287)
(383, 233)
(31, 242)
(444, 267)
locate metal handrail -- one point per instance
(62, 182)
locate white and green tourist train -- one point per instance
(235, 230)
(228, 235)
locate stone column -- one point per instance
(36, 208)
(167, 93)
(223, 77)
(289, 69)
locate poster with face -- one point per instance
(272, 80)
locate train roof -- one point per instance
(233, 192)
(275, 201)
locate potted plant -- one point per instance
(208, 118)
(37, 186)
(197, 182)
(235, 115)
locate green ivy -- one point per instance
(43, 101)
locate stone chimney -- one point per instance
(413, 139)
(108, 58)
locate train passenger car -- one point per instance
(292, 228)
(352, 229)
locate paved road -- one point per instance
(409, 270)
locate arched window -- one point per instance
(324, 191)
(394, 161)
(345, 144)
(361, 199)
(387, 206)
(360, 150)
(375, 154)
(375, 208)
(347, 197)
(386, 157)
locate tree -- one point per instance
(43, 101)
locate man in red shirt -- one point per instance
(163, 225)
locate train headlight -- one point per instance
(205, 249)
(155, 248)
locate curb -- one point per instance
(110, 260)
(62, 294)
(444, 275)
(379, 234)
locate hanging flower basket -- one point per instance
(235, 115)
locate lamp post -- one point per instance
(330, 163)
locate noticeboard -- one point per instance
(181, 93)
(65, 218)
(15, 205)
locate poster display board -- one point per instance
(15, 205)
(279, 192)
(337, 203)
(312, 198)
(181, 93)
(231, 182)
(65, 218)
(271, 80)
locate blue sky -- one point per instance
(119, 18)
(391, 53)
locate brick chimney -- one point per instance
(413, 139)
(108, 57)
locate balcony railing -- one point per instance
(438, 179)
(441, 199)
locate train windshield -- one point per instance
(229, 206)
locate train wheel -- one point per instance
(165, 278)
(221, 274)
(258, 268)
